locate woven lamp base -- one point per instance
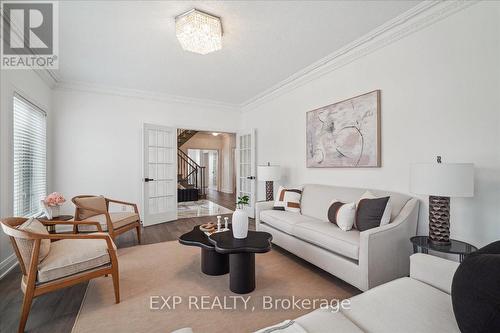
(269, 191)
(439, 220)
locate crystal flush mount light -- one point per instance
(199, 32)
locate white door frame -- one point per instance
(250, 175)
(168, 214)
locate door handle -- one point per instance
(251, 177)
(148, 180)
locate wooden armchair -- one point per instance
(48, 266)
(96, 208)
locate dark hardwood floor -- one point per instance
(227, 200)
(56, 312)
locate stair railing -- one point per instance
(191, 172)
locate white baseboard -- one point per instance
(225, 190)
(7, 265)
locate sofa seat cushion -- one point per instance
(403, 305)
(71, 256)
(327, 321)
(330, 237)
(119, 220)
(283, 220)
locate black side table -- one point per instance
(241, 256)
(423, 244)
(51, 228)
(212, 263)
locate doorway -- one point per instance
(209, 160)
(206, 166)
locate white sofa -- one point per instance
(419, 303)
(363, 259)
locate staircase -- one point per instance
(190, 175)
(183, 136)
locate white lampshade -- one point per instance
(443, 179)
(268, 172)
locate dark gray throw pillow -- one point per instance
(333, 210)
(369, 213)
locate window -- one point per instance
(30, 146)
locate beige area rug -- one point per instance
(171, 269)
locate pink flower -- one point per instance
(54, 199)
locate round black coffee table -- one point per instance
(423, 244)
(241, 256)
(212, 263)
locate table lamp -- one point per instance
(441, 181)
(269, 173)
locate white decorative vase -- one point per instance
(46, 210)
(240, 224)
(55, 211)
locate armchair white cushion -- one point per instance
(119, 219)
(71, 256)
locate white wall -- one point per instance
(28, 84)
(98, 139)
(440, 96)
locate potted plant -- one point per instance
(240, 218)
(51, 204)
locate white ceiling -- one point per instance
(132, 44)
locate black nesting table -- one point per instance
(423, 244)
(212, 263)
(241, 256)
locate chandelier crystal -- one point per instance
(199, 32)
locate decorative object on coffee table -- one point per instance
(212, 263)
(269, 173)
(240, 218)
(51, 204)
(345, 134)
(442, 181)
(51, 228)
(423, 244)
(241, 256)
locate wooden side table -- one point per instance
(52, 228)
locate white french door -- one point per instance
(160, 174)
(245, 168)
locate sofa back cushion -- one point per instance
(316, 199)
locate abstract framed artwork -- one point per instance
(345, 134)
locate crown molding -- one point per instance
(150, 95)
(48, 76)
(411, 21)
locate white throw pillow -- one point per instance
(288, 199)
(386, 217)
(342, 214)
